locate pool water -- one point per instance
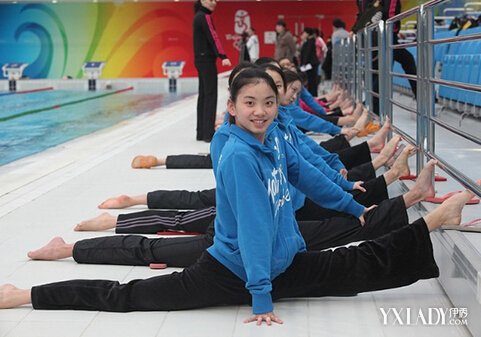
(22, 134)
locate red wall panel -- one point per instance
(263, 17)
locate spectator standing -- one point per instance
(285, 43)
(339, 31)
(252, 44)
(309, 61)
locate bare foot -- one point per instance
(122, 201)
(423, 188)
(362, 120)
(449, 213)
(400, 166)
(54, 250)
(388, 151)
(11, 296)
(401, 152)
(144, 162)
(100, 223)
(424, 182)
(378, 140)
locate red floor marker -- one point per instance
(158, 266)
(439, 200)
(414, 177)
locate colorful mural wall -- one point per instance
(136, 38)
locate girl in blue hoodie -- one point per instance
(258, 255)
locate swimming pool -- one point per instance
(33, 122)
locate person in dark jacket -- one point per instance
(371, 12)
(309, 60)
(207, 48)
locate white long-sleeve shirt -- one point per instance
(253, 47)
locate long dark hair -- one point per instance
(241, 66)
(291, 76)
(271, 67)
(265, 59)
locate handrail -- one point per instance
(460, 177)
(410, 77)
(403, 45)
(402, 15)
(403, 106)
(459, 38)
(405, 136)
(460, 133)
(460, 85)
(432, 3)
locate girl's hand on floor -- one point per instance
(267, 317)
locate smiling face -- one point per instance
(254, 109)
(292, 91)
(209, 4)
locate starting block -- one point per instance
(14, 72)
(173, 70)
(92, 70)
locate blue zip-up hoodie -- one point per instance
(222, 134)
(310, 122)
(307, 98)
(257, 235)
(289, 132)
(325, 161)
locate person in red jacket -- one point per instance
(207, 48)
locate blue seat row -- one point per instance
(459, 62)
(465, 69)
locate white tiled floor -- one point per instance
(47, 194)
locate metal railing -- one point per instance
(367, 57)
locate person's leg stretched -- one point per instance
(393, 260)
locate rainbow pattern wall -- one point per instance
(56, 39)
(136, 38)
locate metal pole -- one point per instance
(430, 88)
(421, 92)
(381, 54)
(360, 65)
(388, 67)
(368, 65)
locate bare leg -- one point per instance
(380, 137)
(56, 249)
(147, 162)
(423, 188)
(449, 213)
(400, 166)
(100, 223)
(11, 296)
(123, 201)
(386, 153)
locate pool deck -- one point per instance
(45, 195)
